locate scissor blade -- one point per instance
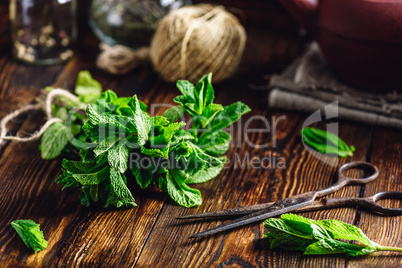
(278, 208)
(228, 212)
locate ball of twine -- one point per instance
(195, 40)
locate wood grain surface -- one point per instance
(149, 235)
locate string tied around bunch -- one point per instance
(46, 107)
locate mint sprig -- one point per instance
(294, 232)
(119, 142)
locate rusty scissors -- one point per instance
(304, 202)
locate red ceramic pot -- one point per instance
(361, 39)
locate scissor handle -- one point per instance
(360, 165)
(387, 195)
(366, 202)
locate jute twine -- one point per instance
(189, 43)
(46, 107)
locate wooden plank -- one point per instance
(386, 154)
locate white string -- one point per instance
(48, 110)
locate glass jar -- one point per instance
(129, 22)
(43, 32)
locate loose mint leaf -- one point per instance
(292, 237)
(174, 113)
(342, 230)
(332, 246)
(319, 237)
(54, 140)
(215, 143)
(326, 142)
(30, 233)
(119, 194)
(86, 88)
(180, 192)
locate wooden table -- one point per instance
(149, 235)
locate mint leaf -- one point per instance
(228, 116)
(119, 194)
(143, 176)
(342, 230)
(67, 181)
(188, 90)
(30, 233)
(53, 141)
(86, 88)
(106, 145)
(319, 237)
(208, 94)
(326, 142)
(208, 114)
(174, 113)
(332, 246)
(180, 192)
(215, 143)
(92, 178)
(141, 119)
(296, 236)
(118, 157)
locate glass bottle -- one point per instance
(129, 22)
(43, 32)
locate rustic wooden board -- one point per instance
(149, 235)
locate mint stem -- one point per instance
(383, 248)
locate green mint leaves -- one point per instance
(86, 88)
(55, 139)
(326, 142)
(119, 144)
(30, 233)
(293, 232)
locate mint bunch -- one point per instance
(119, 143)
(293, 232)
